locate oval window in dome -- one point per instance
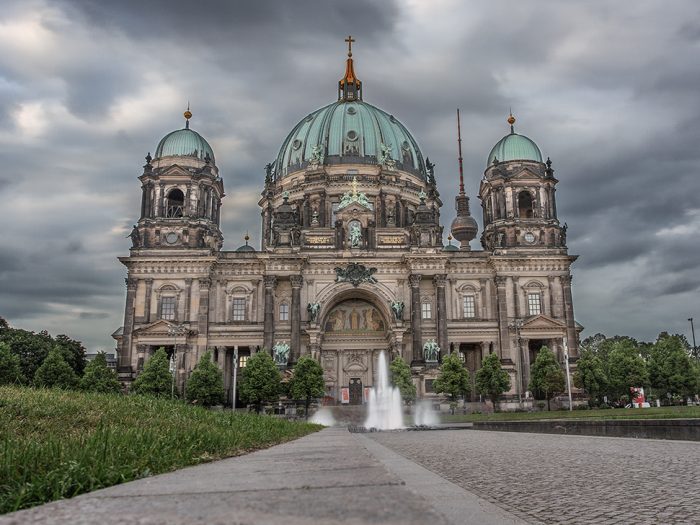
(296, 144)
(352, 135)
(309, 118)
(405, 145)
(352, 110)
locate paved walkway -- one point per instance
(432, 477)
(327, 478)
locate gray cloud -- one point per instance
(87, 88)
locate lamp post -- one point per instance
(692, 329)
(233, 386)
(516, 325)
(568, 374)
(174, 330)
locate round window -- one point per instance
(296, 144)
(529, 237)
(171, 237)
(352, 135)
(352, 110)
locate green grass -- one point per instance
(57, 444)
(617, 413)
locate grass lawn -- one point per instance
(615, 413)
(56, 444)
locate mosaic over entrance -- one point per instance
(355, 316)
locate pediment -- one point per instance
(353, 209)
(543, 322)
(526, 175)
(160, 328)
(176, 171)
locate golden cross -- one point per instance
(349, 40)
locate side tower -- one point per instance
(181, 194)
(174, 245)
(528, 253)
(518, 197)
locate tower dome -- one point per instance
(184, 143)
(514, 147)
(349, 131)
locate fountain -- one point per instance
(323, 416)
(424, 415)
(385, 408)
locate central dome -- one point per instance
(349, 132)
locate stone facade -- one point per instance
(352, 263)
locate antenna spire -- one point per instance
(459, 147)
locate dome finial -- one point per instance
(511, 120)
(188, 115)
(349, 87)
(247, 238)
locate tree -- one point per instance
(73, 352)
(54, 372)
(260, 380)
(31, 348)
(625, 368)
(401, 378)
(669, 367)
(546, 376)
(99, 377)
(155, 379)
(10, 371)
(591, 376)
(206, 384)
(453, 379)
(491, 380)
(307, 381)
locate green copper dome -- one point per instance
(349, 132)
(514, 147)
(184, 143)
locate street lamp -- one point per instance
(235, 370)
(516, 325)
(692, 329)
(174, 330)
(568, 374)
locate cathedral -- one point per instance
(352, 259)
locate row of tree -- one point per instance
(608, 367)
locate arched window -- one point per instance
(525, 210)
(175, 203)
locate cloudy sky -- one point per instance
(611, 93)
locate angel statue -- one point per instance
(313, 309)
(397, 307)
(355, 235)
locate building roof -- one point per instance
(184, 143)
(514, 147)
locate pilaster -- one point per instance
(414, 280)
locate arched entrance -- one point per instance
(353, 332)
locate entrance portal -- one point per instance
(355, 391)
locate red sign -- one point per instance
(344, 395)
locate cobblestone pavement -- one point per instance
(544, 478)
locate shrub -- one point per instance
(260, 380)
(453, 379)
(491, 380)
(307, 382)
(401, 378)
(206, 384)
(10, 371)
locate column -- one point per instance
(125, 350)
(295, 317)
(269, 322)
(147, 301)
(144, 197)
(161, 200)
(572, 343)
(525, 363)
(203, 314)
(188, 299)
(502, 316)
(439, 281)
(187, 208)
(414, 280)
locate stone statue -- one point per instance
(280, 353)
(135, 237)
(316, 156)
(431, 351)
(430, 168)
(397, 307)
(355, 235)
(314, 217)
(313, 309)
(385, 157)
(268, 173)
